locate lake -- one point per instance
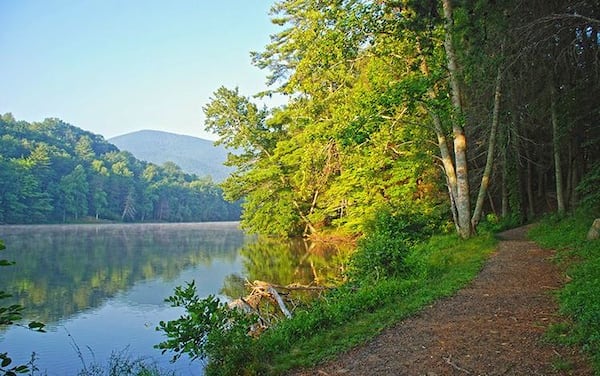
(100, 289)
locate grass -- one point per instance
(355, 314)
(121, 363)
(580, 298)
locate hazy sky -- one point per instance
(116, 66)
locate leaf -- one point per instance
(37, 326)
(5, 360)
(21, 369)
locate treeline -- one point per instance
(53, 172)
(458, 110)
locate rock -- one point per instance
(594, 232)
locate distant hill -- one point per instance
(194, 155)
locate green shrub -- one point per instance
(383, 252)
(209, 329)
(588, 188)
(492, 223)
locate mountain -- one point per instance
(194, 155)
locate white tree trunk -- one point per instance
(463, 200)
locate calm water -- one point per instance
(100, 289)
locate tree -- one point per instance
(83, 149)
(53, 172)
(74, 187)
(341, 148)
(129, 209)
(243, 128)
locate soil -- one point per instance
(494, 326)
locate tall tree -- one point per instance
(74, 187)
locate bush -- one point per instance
(588, 188)
(209, 329)
(492, 223)
(383, 252)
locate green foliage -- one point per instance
(493, 224)
(347, 143)
(5, 363)
(53, 172)
(588, 188)
(383, 252)
(342, 318)
(209, 329)
(579, 298)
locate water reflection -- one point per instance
(62, 270)
(106, 284)
(287, 261)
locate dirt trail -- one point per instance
(494, 326)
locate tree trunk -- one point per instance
(575, 163)
(560, 201)
(504, 193)
(485, 178)
(445, 155)
(448, 165)
(463, 201)
(530, 196)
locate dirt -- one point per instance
(494, 326)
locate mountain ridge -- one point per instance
(193, 154)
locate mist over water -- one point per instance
(101, 288)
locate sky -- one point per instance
(116, 66)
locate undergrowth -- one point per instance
(397, 270)
(579, 299)
(120, 363)
(357, 313)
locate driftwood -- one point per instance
(259, 291)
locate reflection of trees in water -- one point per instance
(286, 261)
(61, 270)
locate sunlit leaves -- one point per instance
(208, 329)
(355, 134)
(239, 123)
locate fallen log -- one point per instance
(275, 293)
(279, 301)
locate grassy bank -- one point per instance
(580, 298)
(397, 269)
(357, 313)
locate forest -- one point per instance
(53, 172)
(443, 111)
(403, 121)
